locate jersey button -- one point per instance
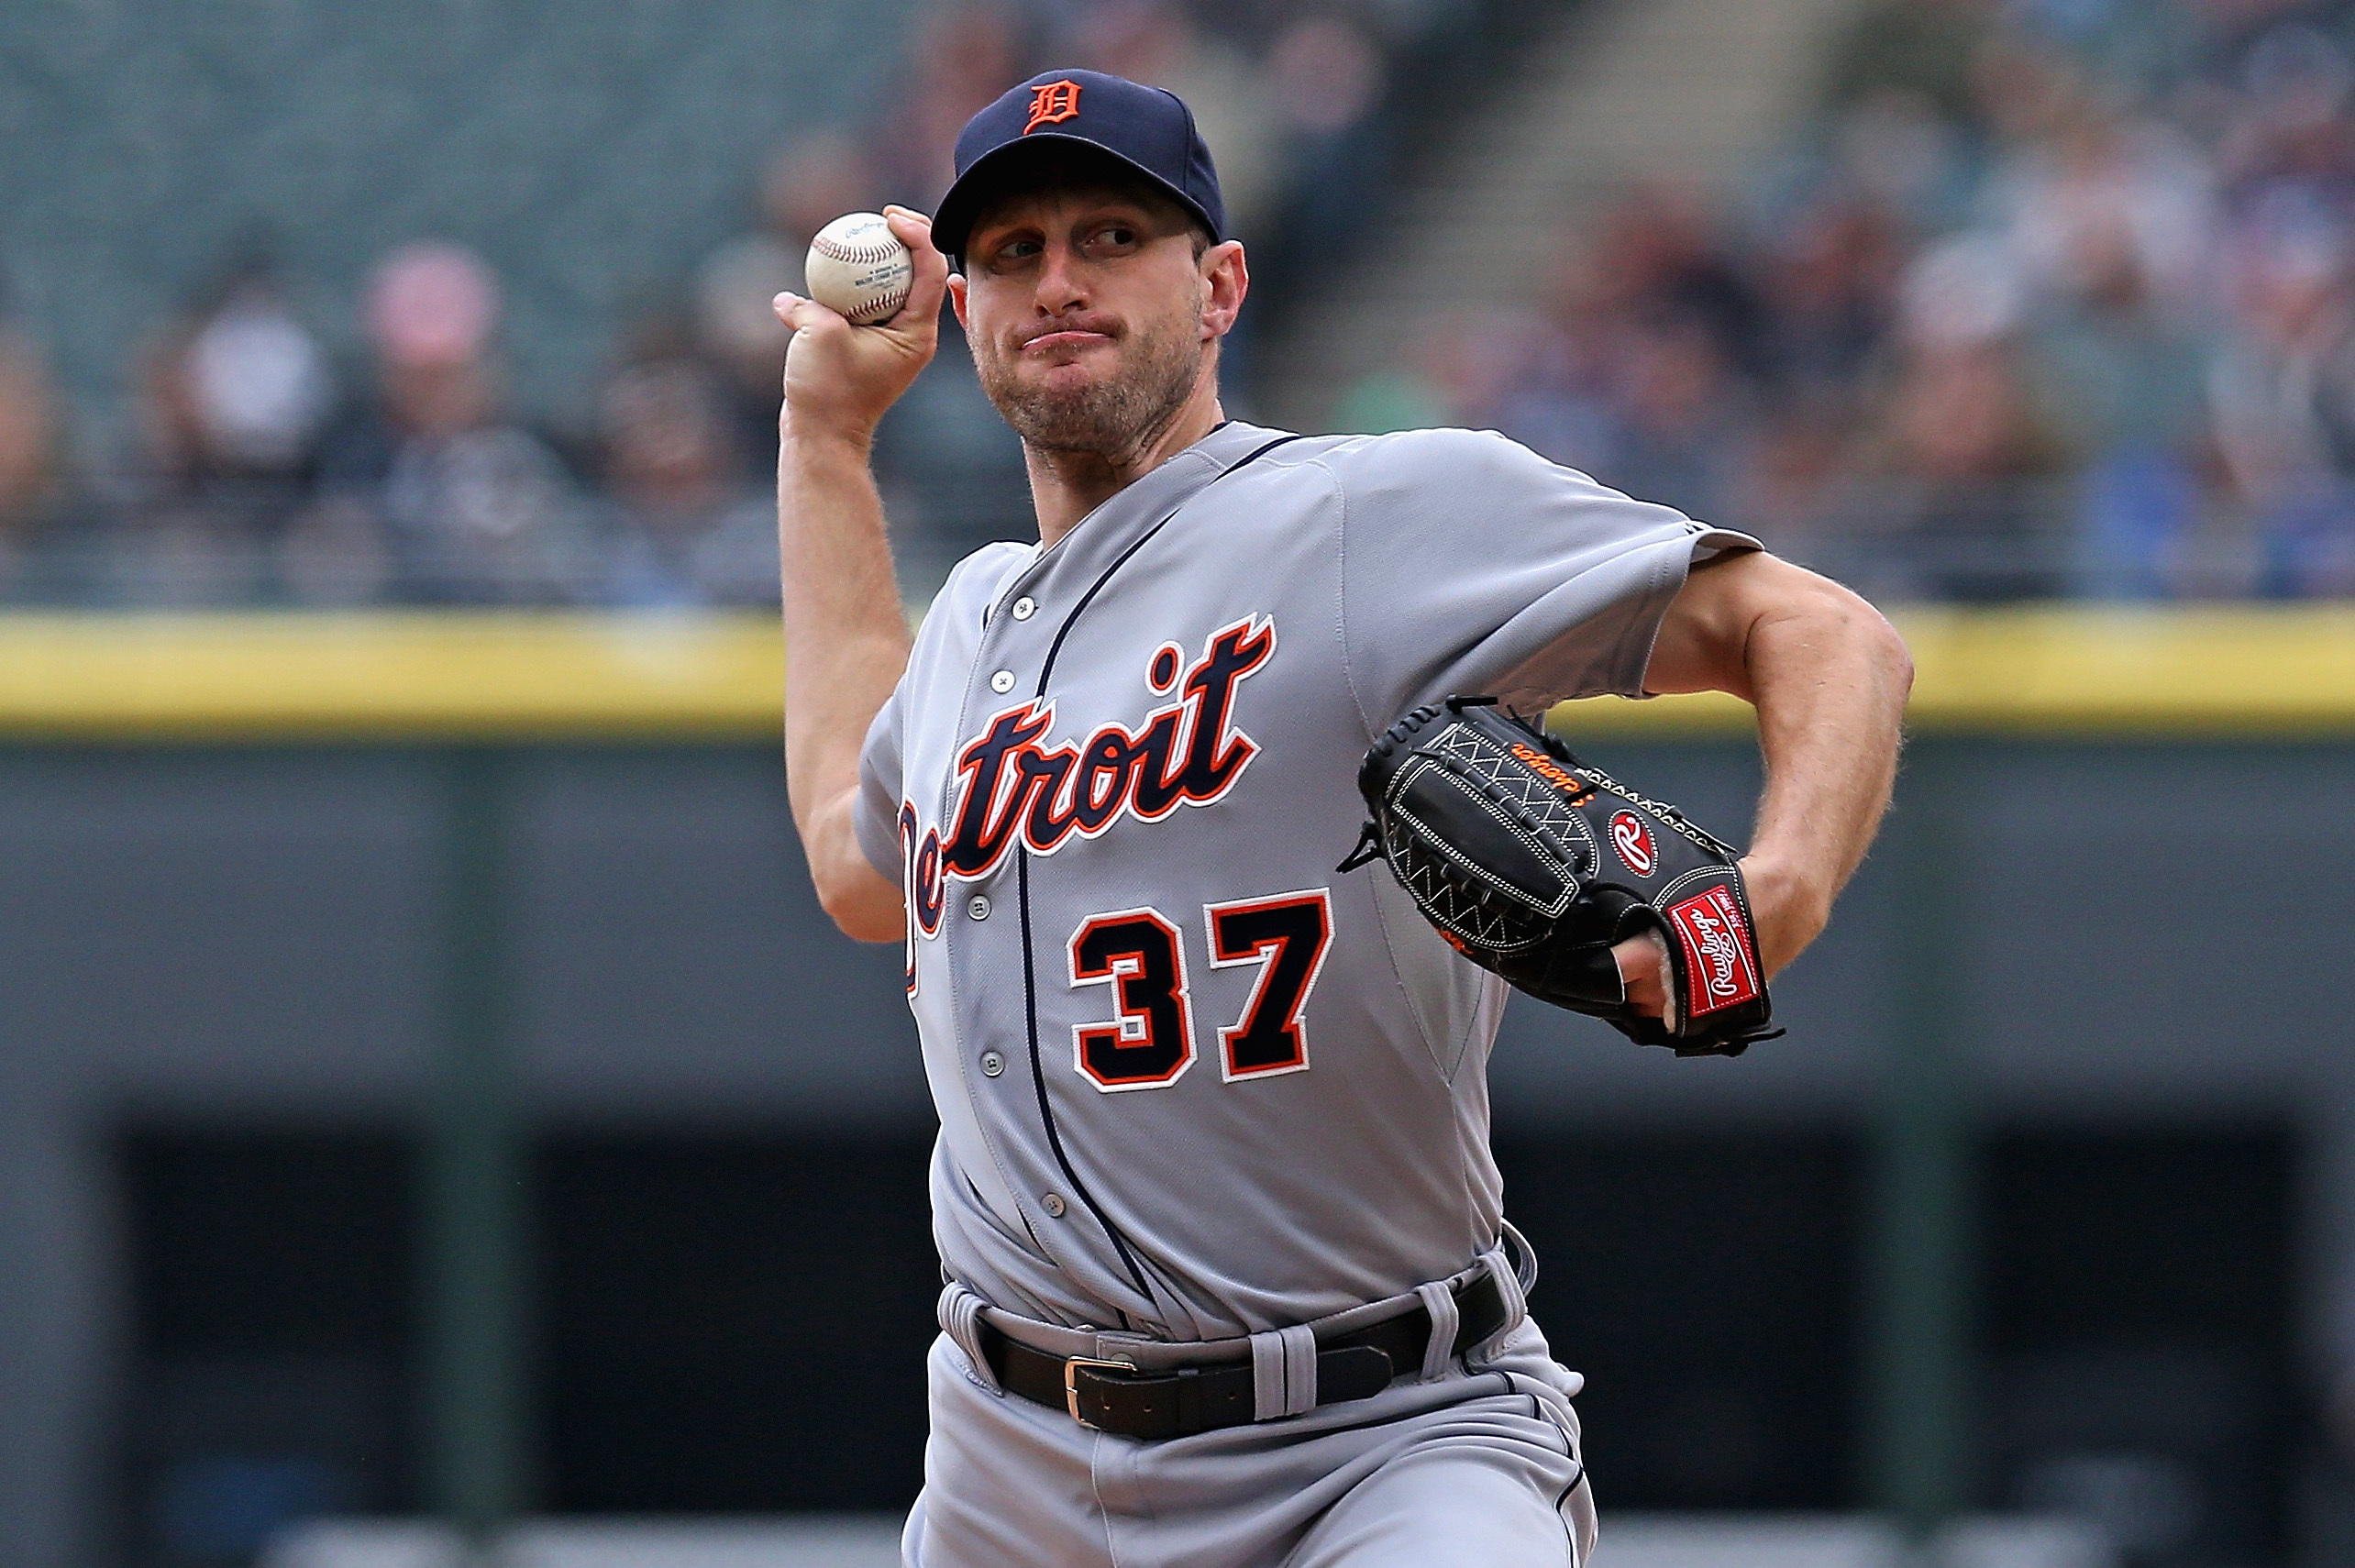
(1003, 682)
(978, 908)
(993, 1064)
(1053, 1204)
(1025, 608)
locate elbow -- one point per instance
(1891, 655)
(1880, 652)
(865, 909)
(864, 924)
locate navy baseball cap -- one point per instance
(1147, 128)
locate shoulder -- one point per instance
(973, 586)
(1446, 460)
(1434, 465)
(986, 568)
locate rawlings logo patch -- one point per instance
(1718, 952)
(1633, 842)
(1052, 102)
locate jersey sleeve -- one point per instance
(877, 814)
(1470, 564)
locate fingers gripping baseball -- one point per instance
(841, 378)
(1644, 970)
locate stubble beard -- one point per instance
(1113, 419)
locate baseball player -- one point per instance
(1228, 1277)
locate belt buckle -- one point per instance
(1071, 1365)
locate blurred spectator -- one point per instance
(689, 530)
(2119, 378)
(1828, 290)
(2102, 192)
(429, 491)
(29, 477)
(2289, 122)
(1658, 260)
(1683, 413)
(1570, 403)
(1325, 75)
(808, 184)
(238, 391)
(1960, 435)
(1897, 155)
(241, 392)
(232, 401)
(2283, 386)
(964, 56)
(27, 430)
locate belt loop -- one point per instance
(1446, 1320)
(960, 1319)
(1300, 1343)
(1283, 1373)
(1526, 1269)
(1266, 1377)
(1498, 1261)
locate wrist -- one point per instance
(804, 437)
(1790, 907)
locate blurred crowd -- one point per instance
(2050, 297)
(271, 457)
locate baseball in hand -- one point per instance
(858, 269)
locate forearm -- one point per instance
(1830, 679)
(845, 635)
(845, 644)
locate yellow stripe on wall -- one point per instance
(2111, 672)
(426, 676)
(401, 676)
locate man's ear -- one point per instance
(1229, 277)
(956, 297)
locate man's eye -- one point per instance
(1014, 251)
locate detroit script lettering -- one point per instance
(1186, 752)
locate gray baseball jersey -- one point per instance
(1191, 1082)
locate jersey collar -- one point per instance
(1099, 538)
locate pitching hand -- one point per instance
(1644, 970)
(1788, 917)
(839, 379)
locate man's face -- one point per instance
(1085, 308)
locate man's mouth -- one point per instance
(1063, 338)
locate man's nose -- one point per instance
(1061, 285)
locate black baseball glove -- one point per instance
(1533, 864)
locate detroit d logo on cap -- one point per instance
(1052, 102)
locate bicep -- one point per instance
(1703, 641)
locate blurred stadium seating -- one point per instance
(2047, 298)
(329, 305)
(1965, 300)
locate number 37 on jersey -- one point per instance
(1140, 956)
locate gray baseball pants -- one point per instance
(1478, 1467)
